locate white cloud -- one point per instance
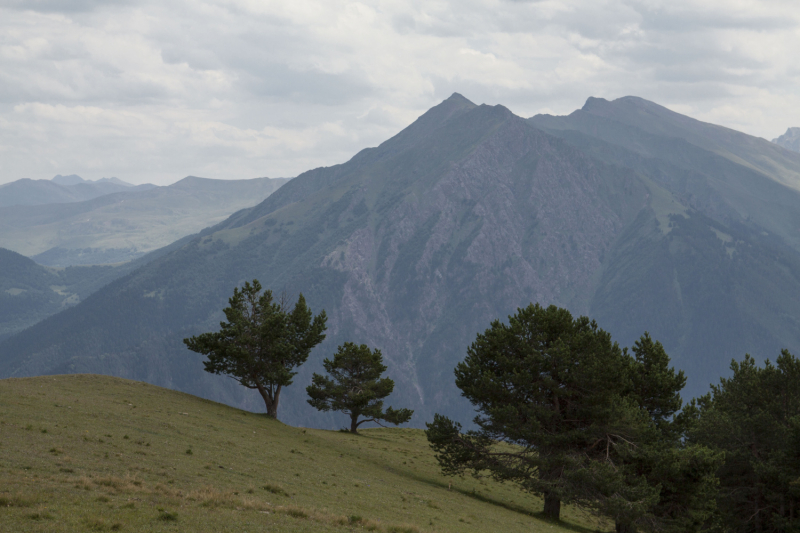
(153, 91)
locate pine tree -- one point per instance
(684, 473)
(549, 390)
(754, 418)
(262, 342)
(355, 387)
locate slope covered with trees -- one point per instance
(30, 292)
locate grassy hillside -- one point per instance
(85, 452)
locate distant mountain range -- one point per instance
(124, 224)
(637, 216)
(789, 140)
(61, 189)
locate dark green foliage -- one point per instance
(262, 342)
(166, 516)
(754, 418)
(655, 385)
(684, 473)
(564, 412)
(356, 387)
(548, 388)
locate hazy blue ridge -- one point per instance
(61, 189)
(125, 225)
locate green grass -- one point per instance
(96, 453)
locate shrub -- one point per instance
(402, 529)
(275, 489)
(295, 512)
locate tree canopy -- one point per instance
(683, 472)
(355, 387)
(262, 342)
(754, 418)
(564, 412)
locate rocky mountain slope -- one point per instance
(625, 211)
(713, 269)
(61, 189)
(121, 226)
(789, 140)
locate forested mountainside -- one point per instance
(118, 227)
(642, 218)
(30, 292)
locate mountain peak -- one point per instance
(458, 97)
(789, 140)
(115, 180)
(594, 102)
(72, 179)
(603, 107)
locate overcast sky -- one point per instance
(154, 91)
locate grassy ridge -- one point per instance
(85, 452)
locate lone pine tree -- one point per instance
(262, 342)
(355, 387)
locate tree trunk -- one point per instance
(354, 423)
(272, 408)
(757, 514)
(552, 507)
(622, 527)
(265, 396)
(270, 402)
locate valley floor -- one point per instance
(85, 452)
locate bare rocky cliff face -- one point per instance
(418, 244)
(789, 140)
(521, 218)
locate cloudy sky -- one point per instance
(152, 91)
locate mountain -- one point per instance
(71, 179)
(118, 227)
(789, 140)
(712, 269)
(30, 292)
(61, 189)
(624, 210)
